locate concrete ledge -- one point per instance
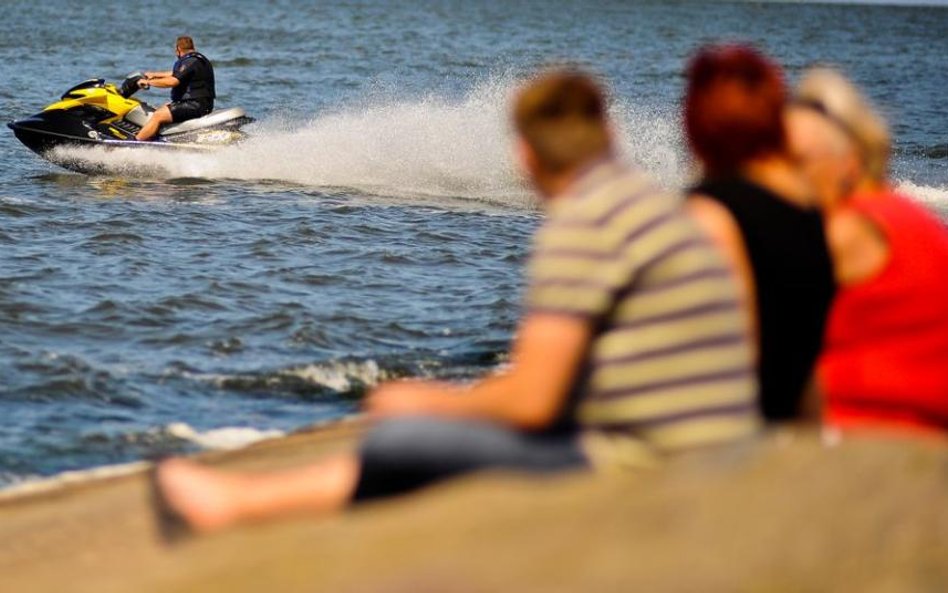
(781, 515)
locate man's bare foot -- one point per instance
(205, 498)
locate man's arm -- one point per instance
(162, 82)
(164, 74)
(546, 358)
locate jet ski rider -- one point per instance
(191, 81)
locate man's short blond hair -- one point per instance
(835, 96)
(561, 115)
(184, 43)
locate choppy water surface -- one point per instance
(372, 227)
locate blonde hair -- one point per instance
(561, 114)
(839, 100)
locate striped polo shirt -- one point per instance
(671, 362)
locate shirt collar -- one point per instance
(593, 174)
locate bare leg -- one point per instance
(161, 116)
(210, 499)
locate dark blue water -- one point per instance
(373, 226)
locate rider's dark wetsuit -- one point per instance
(194, 95)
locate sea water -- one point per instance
(373, 225)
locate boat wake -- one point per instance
(433, 146)
(934, 197)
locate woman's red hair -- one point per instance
(733, 108)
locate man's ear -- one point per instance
(610, 139)
(526, 159)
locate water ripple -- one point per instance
(373, 218)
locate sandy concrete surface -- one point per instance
(784, 514)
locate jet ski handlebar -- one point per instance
(130, 84)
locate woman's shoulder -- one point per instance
(858, 245)
(759, 209)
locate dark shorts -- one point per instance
(408, 453)
(190, 109)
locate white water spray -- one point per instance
(433, 146)
(934, 197)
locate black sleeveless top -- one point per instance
(794, 281)
(196, 76)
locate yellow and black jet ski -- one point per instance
(98, 113)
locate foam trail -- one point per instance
(32, 485)
(228, 437)
(339, 376)
(936, 197)
(652, 139)
(432, 146)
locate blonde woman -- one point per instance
(885, 359)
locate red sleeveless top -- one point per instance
(885, 359)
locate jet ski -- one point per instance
(95, 112)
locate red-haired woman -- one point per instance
(756, 205)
